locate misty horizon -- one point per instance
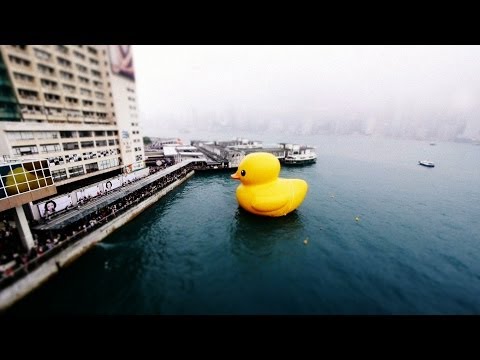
(417, 92)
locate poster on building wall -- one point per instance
(111, 184)
(121, 60)
(55, 205)
(128, 169)
(88, 193)
(128, 178)
(142, 173)
(138, 165)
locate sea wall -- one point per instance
(31, 281)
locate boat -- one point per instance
(299, 155)
(426, 163)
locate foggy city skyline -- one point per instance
(416, 92)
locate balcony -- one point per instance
(72, 105)
(25, 84)
(53, 102)
(51, 90)
(75, 119)
(47, 75)
(16, 50)
(104, 121)
(33, 115)
(57, 117)
(91, 120)
(26, 69)
(30, 100)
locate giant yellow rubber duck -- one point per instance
(262, 192)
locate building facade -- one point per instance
(73, 105)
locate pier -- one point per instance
(63, 239)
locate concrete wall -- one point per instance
(37, 277)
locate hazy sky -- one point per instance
(178, 84)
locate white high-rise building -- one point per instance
(74, 105)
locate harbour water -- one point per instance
(384, 236)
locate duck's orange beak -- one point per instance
(235, 176)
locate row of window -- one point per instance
(48, 148)
(74, 171)
(54, 98)
(60, 160)
(48, 70)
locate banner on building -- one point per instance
(55, 205)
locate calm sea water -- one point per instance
(414, 250)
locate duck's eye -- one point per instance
(243, 172)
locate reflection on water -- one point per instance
(257, 235)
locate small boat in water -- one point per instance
(299, 154)
(426, 163)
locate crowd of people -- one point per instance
(16, 261)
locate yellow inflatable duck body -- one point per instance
(262, 192)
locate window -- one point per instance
(68, 134)
(105, 164)
(69, 88)
(71, 101)
(25, 150)
(81, 68)
(28, 94)
(99, 133)
(64, 62)
(59, 174)
(42, 55)
(23, 77)
(62, 48)
(78, 55)
(57, 160)
(49, 84)
(50, 148)
(45, 70)
(19, 61)
(52, 98)
(83, 80)
(70, 146)
(87, 144)
(92, 50)
(66, 75)
(76, 171)
(46, 135)
(85, 133)
(101, 142)
(20, 135)
(85, 92)
(91, 168)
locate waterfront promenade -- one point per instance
(64, 238)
